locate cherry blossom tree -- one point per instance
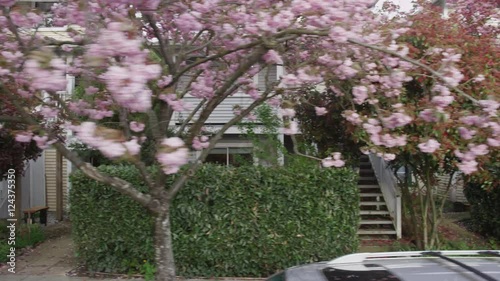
(430, 134)
(144, 56)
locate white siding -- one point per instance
(224, 112)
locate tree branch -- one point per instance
(414, 62)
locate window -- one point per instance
(230, 156)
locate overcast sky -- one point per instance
(405, 5)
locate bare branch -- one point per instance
(209, 58)
(179, 183)
(190, 117)
(222, 93)
(296, 150)
(167, 58)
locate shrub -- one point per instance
(4, 251)
(29, 235)
(246, 221)
(485, 207)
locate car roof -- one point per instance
(403, 266)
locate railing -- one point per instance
(390, 190)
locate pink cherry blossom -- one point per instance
(493, 142)
(272, 57)
(396, 120)
(176, 104)
(132, 146)
(442, 101)
(333, 161)
(428, 115)
(137, 126)
(429, 146)
(360, 94)
(41, 142)
(320, 111)
(468, 167)
(24, 136)
(200, 143)
(465, 133)
(479, 78)
(7, 3)
(175, 156)
(478, 150)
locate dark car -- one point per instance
(403, 266)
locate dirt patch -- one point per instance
(56, 230)
(456, 233)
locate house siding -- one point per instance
(50, 179)
(224, 111)
(456, 192)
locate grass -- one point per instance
(28, 235)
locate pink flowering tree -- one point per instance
(426, 127)
(142, 57)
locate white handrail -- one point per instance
(390, 190)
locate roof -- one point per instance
(403, 266)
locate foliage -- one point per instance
(330, 132)
(246, 221)
(14, 155)
(263, 133)
(147, 59)
(485, 207)
(4, 251)
(29, 235)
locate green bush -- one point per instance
(246, 221)
(29, 235)
(485, 207)
(26, 236)
(4, 251)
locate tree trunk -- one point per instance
(164, 255)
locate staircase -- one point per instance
(376, 221)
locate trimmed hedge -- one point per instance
(246, 221)
(485, 207)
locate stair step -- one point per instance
(373, 212)
(368, 186)
(368, 203)
(365, 222)
(376, 231)
(367, 178)
(371, 195)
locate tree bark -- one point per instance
(164, 254)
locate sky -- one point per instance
(405, 5)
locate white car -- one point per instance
(400, 266)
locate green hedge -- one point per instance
(247, 221)
(485, 207)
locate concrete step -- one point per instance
(371, 194)
(371, 203)
(366, 186)
(375, 231)
(370, 222)
(369, 178)
(373, 212)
